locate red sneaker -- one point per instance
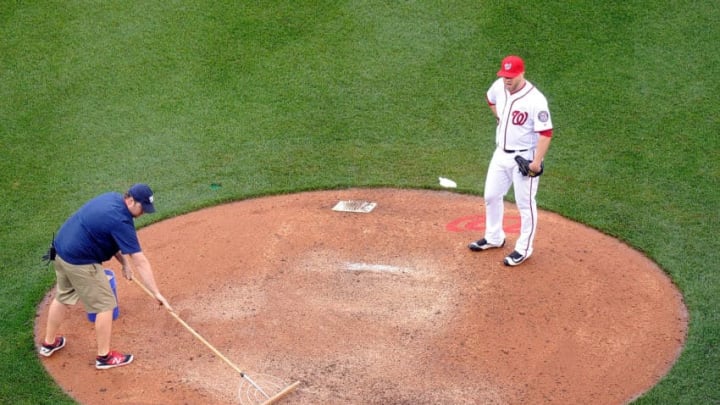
(112, 359)
(48, 349)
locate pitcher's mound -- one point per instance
(381, 306)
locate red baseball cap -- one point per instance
(511, 66)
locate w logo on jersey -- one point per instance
(519, 117)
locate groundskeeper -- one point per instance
(101, 229)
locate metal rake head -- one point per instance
(263, 389)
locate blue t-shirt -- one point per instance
(98, 230)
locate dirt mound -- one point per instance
(382, 307)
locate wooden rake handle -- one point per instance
(290, 388)
(270, 399)
(191, 330)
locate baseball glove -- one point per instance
(524, 166)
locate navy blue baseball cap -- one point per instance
(144, 195)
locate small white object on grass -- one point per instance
(447, 182)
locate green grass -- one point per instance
(284, 96)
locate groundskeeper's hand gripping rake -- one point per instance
(266, 396)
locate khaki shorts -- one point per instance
(87, 283)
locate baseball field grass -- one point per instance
(212, 102)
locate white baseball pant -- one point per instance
(502, 173)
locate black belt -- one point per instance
(515, 151)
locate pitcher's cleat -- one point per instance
(515, 258)
(482, 244)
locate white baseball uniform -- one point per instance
(522, 115)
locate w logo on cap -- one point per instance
(511, 66)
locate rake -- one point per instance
(263, 397)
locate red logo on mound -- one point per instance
(476, 223)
